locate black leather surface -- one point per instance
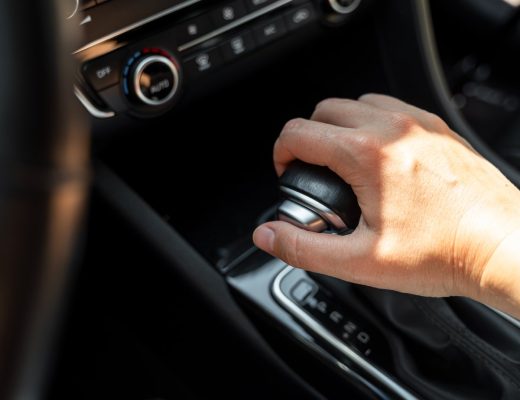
(450, 348)
(325, 186)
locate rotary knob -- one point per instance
(151, 77)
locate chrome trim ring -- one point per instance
(137, 77)
(301, 216)
(323, 211)
(336, 6)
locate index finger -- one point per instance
(315, 143)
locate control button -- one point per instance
(155, 80)
(203, 62)
(103, 72)
(299, 16)
(270, 31)
(84, 4)
(238, 45)
(253, 5)
(302, 290)
(228, 13)
(363, 337)
(193, 29)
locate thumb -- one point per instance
(317, 252)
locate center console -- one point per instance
(144, 59)
(138, 59)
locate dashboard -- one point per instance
(138, 59)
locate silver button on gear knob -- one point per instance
(317, 199)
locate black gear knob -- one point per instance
(317, 199)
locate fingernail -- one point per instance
(264, 238)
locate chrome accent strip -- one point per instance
(137, 24)
(301, 216)
(336, 6)
(319, 329)
(326, 213)
(234, 24)
(91, 108)
(507, 317)
(137, 77)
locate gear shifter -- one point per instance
(444, 348)
(317, 199)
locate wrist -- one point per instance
(499, 284)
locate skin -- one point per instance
(437, 218)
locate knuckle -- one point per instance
(292, 125)
(325, 103)
(369, 96)
(402, 122)
(435, 121)
(366, 145)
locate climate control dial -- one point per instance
(151, 77)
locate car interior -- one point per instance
(137, 146)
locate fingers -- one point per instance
(345, 113)
(340, 130)
(387, 103)
(428, 120)
(312, 142)
(318, 252)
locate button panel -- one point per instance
(218, 35)
(242, 41)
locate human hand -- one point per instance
(434, 212)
